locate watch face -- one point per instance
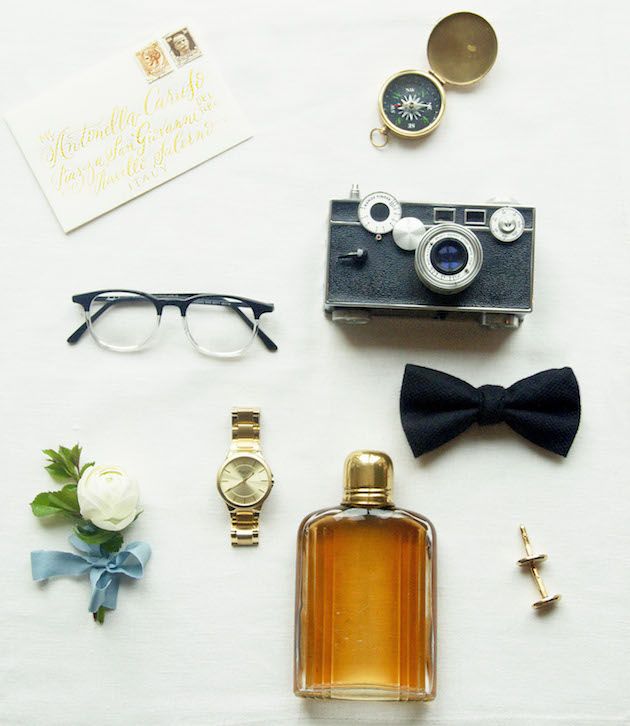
(244, 481)
(412, 103)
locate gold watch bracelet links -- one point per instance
(245, 438)
(244, 527)
(245, 429)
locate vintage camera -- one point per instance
(436, 260)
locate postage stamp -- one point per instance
(183, 46)
(153, 61)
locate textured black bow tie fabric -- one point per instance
(435, 407)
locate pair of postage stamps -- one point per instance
(157, 59)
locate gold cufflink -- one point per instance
(532, 561)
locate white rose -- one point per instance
(108, 497)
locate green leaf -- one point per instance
(68, 459)
(41, 506)
(47, 504)
(66, 499)
(94, 535)
(75, 453)
(63, 464)
(59, 473)
(84, 467)
(53, 455)
(113, 544)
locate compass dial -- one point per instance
(412, 103)
(244, 481)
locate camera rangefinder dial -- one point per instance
(378, 212)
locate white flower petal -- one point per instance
(108, 497)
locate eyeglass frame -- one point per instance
(182, 301)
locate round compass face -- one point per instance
(244, 481)
(412, 103)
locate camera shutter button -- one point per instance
(408, 232)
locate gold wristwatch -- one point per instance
(244, 479)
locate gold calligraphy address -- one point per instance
(132, 145)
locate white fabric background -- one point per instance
(207, 636)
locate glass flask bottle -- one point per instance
(365, 622)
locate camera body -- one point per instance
(429, 260)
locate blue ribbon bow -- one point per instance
(105, 569)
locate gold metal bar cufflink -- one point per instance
(532, 561)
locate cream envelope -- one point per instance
(127, 125)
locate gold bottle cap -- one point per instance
(462, 48)
(368, 479)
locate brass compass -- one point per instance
(462, 48)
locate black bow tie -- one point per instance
(436, 407)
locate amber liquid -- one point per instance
(365, 606)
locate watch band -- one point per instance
(245, 438)
(244, 527)
(245, 429)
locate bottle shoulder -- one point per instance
(342, 516)
(319, 515)
(419, 519)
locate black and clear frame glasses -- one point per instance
(223, 326)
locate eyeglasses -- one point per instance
(223, 326)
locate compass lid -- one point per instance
(462, 48)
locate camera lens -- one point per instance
(449, 256)
(379, 212)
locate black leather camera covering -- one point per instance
(388, 277)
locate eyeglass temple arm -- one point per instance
(269, 344)
(82, 328)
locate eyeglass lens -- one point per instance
(122, 320)
(220, 325)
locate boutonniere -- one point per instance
(101, 502)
